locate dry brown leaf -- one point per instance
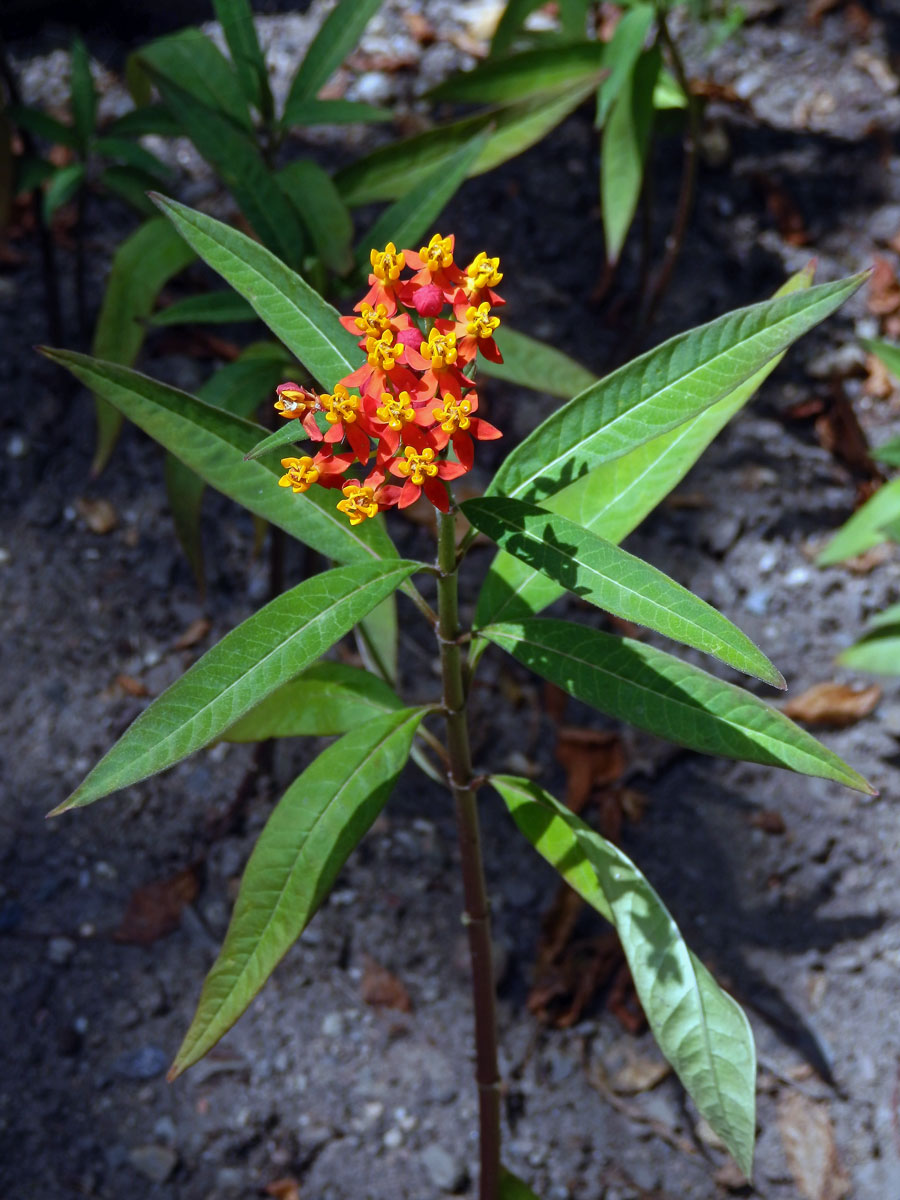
(769, 821)
(730, 1177)
(155, 909)
(784, 212)
(98, 515)
(420, 28)
(840, 433)
(132, 686)
(284, 1189)
(863, 564)
(879, 382)
(195, 632)
(381, 989)
(591, 758)
(688, 500)
(809, 1148)
(884, 288)
(835, 704)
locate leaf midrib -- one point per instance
(290, 873)
(767, 738)
(319, 617)
(649, 399)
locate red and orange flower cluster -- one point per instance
(410, 407)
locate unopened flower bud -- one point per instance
(428, 300)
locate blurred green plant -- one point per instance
(557, 509)
(874, 523)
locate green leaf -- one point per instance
(626, 139)
(338, 35)
(236, 18)
(295, 313)
(134, 154)
(533, 364)
(662, 389)
(888, 354)
(63, 185)
(209, 308)
(615, 497)
(131, 185)
(510, 24)
(150, 118)
(84, 98)
(328, 698)
(621, 55)
(322, 211)
(189, 60)
(31, 172)
(887, 452)
(667, 697)
(406, 221)
(213, 443)
(44, 126)
(702, 1032)
(262, 653)
(668, 93)
(878, 650)
(287, 433)
(377, 638)
(143, 263)
(866, 528)
(614, 580)
(239, 164)
(391, 171)
(523, 75)
(184, 490)
(239, 387)
(335, 112)
(512, 1187)
(309, 836)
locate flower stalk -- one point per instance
(476, 916)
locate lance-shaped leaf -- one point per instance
(390, 171)
(84, 97)
(377, 638)
(236, 19)
(408, 219)
(295, 313)
(307, 839)
(288, 432)
(522, 75)
(191, 61)
(209, 308)
(42, 125)
(512, 1187)
(878, 650)
(213, 443)
(626, 139)
(702, 1032)
(133, 153)
(534, 364)
(621, 54)
(337, 112)
(328, 698)
(339, 33)
(321, 210)
(131, 184)
(510, 24)
(239, 164)
(261, 654)
(614, 580)
(63, 185)
(668, 697)
(662, 389)
(615, 497)
(143, 263)
(150, 118)
(868, 527)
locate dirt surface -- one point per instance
(784, 885)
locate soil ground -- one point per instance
(350, 1100)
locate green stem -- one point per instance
(477, 913)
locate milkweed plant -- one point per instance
(387, 410)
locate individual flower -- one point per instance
(359, 502)
(457, 426)
(424, 471)
(372, 321)
(296, 402)
(436, 274)
(476, 333)
(386, 267)
(342, 412)
(325, 469)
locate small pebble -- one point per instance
(144, 1063)
(155, 1163)
(17, 446)
(333, 1025)
(60, 950)
(393, 1138)
(443, 1170)
(757, 601)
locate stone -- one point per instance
(60, 950)
(155, 1163)
(444, 1171)
(144, 1063)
